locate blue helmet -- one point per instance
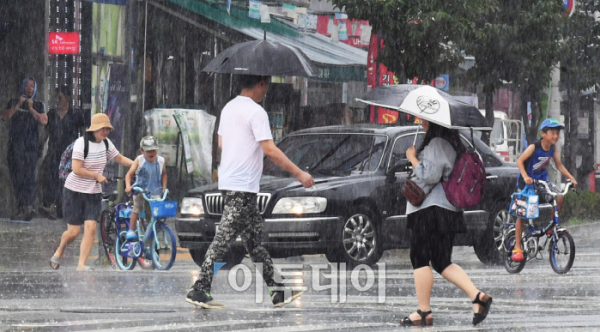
(551, 123)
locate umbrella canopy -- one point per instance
(264, 58)
(428, 103)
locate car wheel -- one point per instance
(489, 247)
(198, 255)
(360, 243)
(233, 257)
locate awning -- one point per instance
(337, 62)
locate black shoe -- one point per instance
(202, 299)
(28, 213)
(284, 295)
(485, 306)
(423, 321)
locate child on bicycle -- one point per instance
(151, 175)
(532, 165)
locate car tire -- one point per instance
(488, 247)
(354, 247)
(198, 255)
(233, 257)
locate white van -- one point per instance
(506, 138)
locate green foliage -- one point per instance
(582, 207)
(581, 48)
(512, 41)
(516, 42)
(579, 59)
(420, 37)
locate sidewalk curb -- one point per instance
(585, 224)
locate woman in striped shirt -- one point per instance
(82, 194)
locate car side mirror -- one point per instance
(402, 165)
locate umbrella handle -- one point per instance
(416, 134)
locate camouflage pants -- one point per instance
(240, 218)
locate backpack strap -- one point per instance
(106, 145)
(86, 147)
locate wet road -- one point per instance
(35, 298)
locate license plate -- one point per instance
(217, 230)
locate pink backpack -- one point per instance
(465, 186)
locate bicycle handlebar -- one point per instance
(550, 192)
(144, 191)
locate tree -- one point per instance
(518, 42)
(514, 41)
(420, 37)
(580, 56)
(538, 47)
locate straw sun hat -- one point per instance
(99, 121)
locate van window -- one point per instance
(497, 135)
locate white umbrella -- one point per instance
(427, 103)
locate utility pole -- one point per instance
(554, 112)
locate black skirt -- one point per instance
(436, 219)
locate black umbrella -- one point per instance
(264, 58)
(428, 103)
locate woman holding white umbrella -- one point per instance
(435, 222)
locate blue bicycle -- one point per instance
(158, 243)
(561, 248)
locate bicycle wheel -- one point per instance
(145, 263)
(123, 262)
(562, 253)
(108, 233)
(165, 249)
(509, 243)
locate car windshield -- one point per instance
(330, 154)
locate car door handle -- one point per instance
(491, 177)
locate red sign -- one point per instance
(387, 116)
(385, 77)
(63, 43)
(374, 80)
(569, 6)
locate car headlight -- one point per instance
(300, 205)
(192, 205)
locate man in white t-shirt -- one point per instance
(244, 134)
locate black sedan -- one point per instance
(356, 209)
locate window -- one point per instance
(331, 154)
(489, 157)
(401, 144)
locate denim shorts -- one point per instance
(79, 207)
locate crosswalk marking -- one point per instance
(77, 322)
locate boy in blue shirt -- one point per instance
(151, 174)
(532, 165)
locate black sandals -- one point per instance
(485, 305)
(406, 321)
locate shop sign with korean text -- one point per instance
(63, 43)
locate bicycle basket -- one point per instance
(163, 209)
(525, 204)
